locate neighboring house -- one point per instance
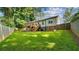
(44, 23)
(49, 19)
(48, 16)
(48, 12)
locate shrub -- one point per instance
(20, 23)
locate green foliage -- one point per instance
(27, 14)
(9, 23)
(20, 23)
(8, 16)
(24, 13)
(75, 17)
(68, 15)
(11, 15)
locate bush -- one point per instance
(7, 22)
(20, 23)
(75, 17)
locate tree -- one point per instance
(8, 16)
(20, 23)
(75, 17)
(23, 13)
(11, 15)
(68, 14)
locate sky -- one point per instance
(55, 11)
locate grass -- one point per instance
(61, 40)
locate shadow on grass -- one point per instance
(39, 41)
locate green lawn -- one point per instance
(61, 40)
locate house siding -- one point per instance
(46, 23)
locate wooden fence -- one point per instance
(65, 26)
(5, 31)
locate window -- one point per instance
(50, 22)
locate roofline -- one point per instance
(44, 19)
(47, 18)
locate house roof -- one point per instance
(47, 18)
(43, 19)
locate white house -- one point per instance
(51, 21)
(49, 17)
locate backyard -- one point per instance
(60, 40)
(39, 29)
